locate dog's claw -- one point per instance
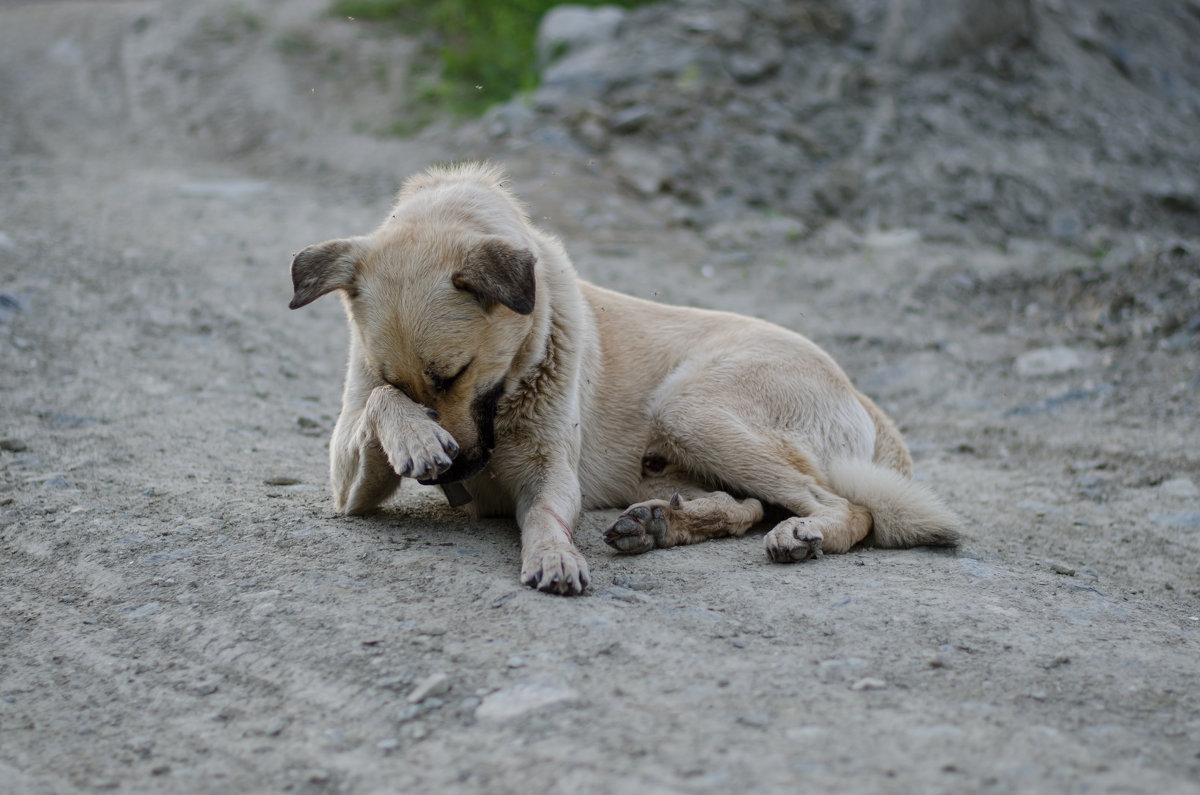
(560, 571)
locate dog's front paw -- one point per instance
(639, 529)
(560, 570)
(416, 446)
(421, 450)
(793, 540)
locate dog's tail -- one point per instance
(905, 513)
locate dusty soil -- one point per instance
(182, 611)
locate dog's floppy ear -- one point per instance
(495, 271)
(324, 267)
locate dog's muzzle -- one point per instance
(469, 463)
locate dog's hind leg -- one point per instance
(748, 454)
(672, 510)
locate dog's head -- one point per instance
(440, 314)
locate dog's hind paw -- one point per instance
(639, 529)
(793, 540)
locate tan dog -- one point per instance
(480, 362)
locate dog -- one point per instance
(481, 363)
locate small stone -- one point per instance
(10, 305)
(142, 746)
(13, 445)
(622, 594)
(642, 171)
(1059, 568)
(1185, 519)
(432, 630)
(281, 481)
(308, 423)
(570, 28)
(388, 745)
(869, 683)
(1176, 487)
(1048, 361)
(523, 697)
(436, 684)
(204, 688)
(262, 610)
(515, 662)
(229, 189)
(630, 120)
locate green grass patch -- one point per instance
(483, 49)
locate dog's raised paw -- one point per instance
(559, 571)
(639, 529)
(792, 541)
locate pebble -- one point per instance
(869, 683)
(525, 696)
(622, 594)
(142, 746)
(436, 684)
(839, 670)
(10, 305)
(569, 28)
(281, 481)
(1186, 519)
(1059, 568)
(1179, 487)
(1049, 361)
(204, 688)
(233, 189)
(13, 445)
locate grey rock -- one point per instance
(436, 684)
(631, 119)
(939, 32)
(750, 67)
(840, 670)
(1179, 487)
(1183, 519)
(10, 306)
(1054, 402)
(1049, 361)
(640, 170)
(13, 445)
(526, 696)
(229, 189)
(566, 29)
(622, 594)
(869, 683)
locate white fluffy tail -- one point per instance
(906, 514)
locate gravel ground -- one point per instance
(182, 611)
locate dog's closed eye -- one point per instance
(443, 383)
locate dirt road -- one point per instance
(182, 611)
